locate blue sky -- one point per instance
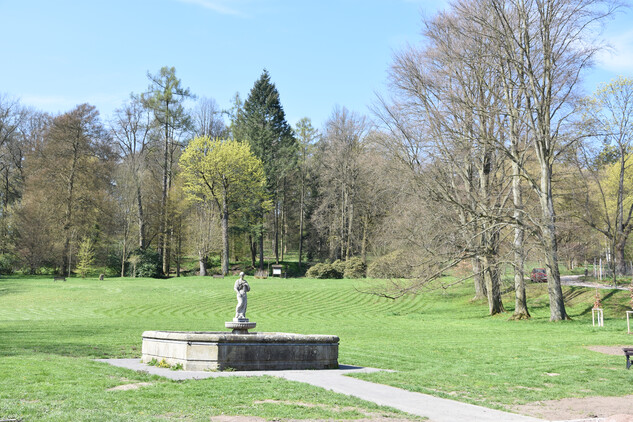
(320, 53)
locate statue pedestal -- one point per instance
(200, 351)
(240, 325)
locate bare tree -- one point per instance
(130, 129)
(338, 156)
(546, 44)
(207, 119)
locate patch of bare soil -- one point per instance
(126, 387)
(608, 350)
(616, 409)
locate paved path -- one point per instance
(577, 280)
(434, 408)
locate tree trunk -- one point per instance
(69, 213)
(520, 299)
(491, 276)
(141, 218)
(363, 245)
(261, 247)
(619, 256)
(202, 260)
(124, 251)
(253, 248)
(480, 282)
(276, 230)
(350, 222)
(301, 220)
(284, 217)
(225, 235)
(548, 231)
(179, 247)
(162, 232)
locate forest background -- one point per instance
(483, 152)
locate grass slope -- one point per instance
(440, 343)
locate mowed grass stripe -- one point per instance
(439, 342)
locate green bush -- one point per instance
(8, 262)
(355, 268)
(352, 268)
(339, 267)
(148, 265)
(396, 264)
(323, 270)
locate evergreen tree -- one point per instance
(262, 122)
(165, 97)
(86, 257)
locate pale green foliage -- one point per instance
(221, 170)
(85, 257)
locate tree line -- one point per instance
(485, 153)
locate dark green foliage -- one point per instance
(323, 270)
(262, 123)
(352, 268)
(149, 264)
(355, 268)
(339, 267)
(7, 263)
(393, 265)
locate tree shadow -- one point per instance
(62, 341)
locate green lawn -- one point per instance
(440, 343)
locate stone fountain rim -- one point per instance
(227, 337)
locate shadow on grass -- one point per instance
(63, 341)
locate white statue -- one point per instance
(241, 287)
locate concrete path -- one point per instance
(577, 281)
(434, 408)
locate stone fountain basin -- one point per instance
(209, 350)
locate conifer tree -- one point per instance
(262, 122)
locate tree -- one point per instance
(445, 115)
(225, 172)
(130, 129)
(165, 98)
(13, 118)
(85, 257)
(338, 155)
(306, 135)
(75, 162)
(204, 232)
(262, 123)
(547, 44)
(610, 122)
(207, 119)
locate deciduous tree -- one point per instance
(225, 172)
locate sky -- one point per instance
(319, 53)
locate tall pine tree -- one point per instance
(262, 123)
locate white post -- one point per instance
(600, 272)
(596, 313)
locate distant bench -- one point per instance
(59, 278)
(628, 352)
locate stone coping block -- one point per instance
(204, 350)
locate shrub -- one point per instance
(339, 267)
(396, 264)
(355, 268)
(7, 263)
(323, 270)
(148, 263)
